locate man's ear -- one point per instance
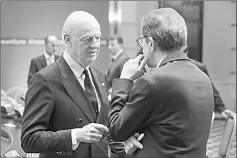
(67, 39)
(151, 42)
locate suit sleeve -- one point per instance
(218, 102)
(116, 148)
(32, 71)
(36, 136)
(131, 106)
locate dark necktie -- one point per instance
(112, 60)
(90, 91)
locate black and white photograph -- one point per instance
(118, 79)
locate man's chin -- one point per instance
(92, 59)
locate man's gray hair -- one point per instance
(166, 27)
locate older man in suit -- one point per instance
(117, 59)
(66, 104)
(172, 104)
(47, 58)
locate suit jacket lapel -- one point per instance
(56, 57)
(43, 61)
(74, 89)
(99, 82)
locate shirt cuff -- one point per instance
(75, 143)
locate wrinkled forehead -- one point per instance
(87, 29)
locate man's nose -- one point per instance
(94, 43)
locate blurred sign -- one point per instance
(32, 41)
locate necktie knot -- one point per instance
(85, 71)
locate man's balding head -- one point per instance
(51, 42)
(81, 33)
(78, 22)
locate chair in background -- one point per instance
(228, 136)
(6, 141)
(8, 100)
(12, 92)
(20, 98)
(213, 117)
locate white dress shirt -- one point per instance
(77, 70)
(49, 58)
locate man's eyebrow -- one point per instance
(90, 36)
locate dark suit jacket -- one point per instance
(37, 64)
(172, 105)
(218, 103)
(56, 103)
(115, 68)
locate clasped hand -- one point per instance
(132, 143)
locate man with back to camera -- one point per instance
(66, 108)
(219, 105)
(46, 59)
(171, 105)
(117, 59)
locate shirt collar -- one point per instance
(72, 63)
(151, 69)
(160, 62)
(47, 56)
(114, 57)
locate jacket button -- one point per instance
(80, 120)
(59, 153)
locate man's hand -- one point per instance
(133, 143)
(226, 113)
(91, 133)
(133, 68)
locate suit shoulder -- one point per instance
(198, 64)
(51, 71)
(38, 58)
(156, 75)
(122, 58)
(125, 56)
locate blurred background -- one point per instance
(211, 35)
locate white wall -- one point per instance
(132, 12)
(219, 38)
(37, 19)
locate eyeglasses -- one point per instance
(139, 41)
